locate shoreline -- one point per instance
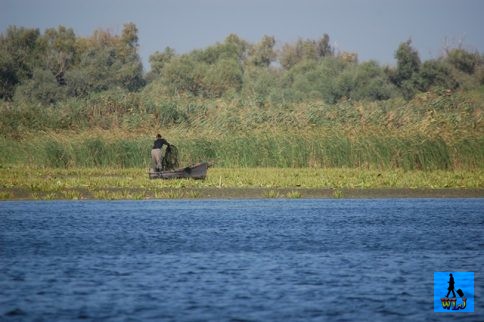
(241, 193)
(334, 193)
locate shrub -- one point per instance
(42, 88)
(436, 73)
(463, 60)
(57, 154)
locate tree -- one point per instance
(19, 55)
(231, 48)
(463, 60)
(240, 46)
(42, 88)
(324, 49)
(289, 56)
(408, 65)
(408, 62)
(260, 83)
(221, 77)
(436, 73)
(184, 75)
(129, 36)
(107, 61)
(158, 60)
(60, 51)
(8, 75)
(130, 72)
(262, 54)
(313, 79)
(96, 71)
(305, 49)
(364, 81)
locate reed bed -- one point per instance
(258, 150)
(431, 133)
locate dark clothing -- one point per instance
(156, 156)
(451, 283)
(159, 143)
(448, 293)
(451, 287)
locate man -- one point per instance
(156, 151)
(451, 286)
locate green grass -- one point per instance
(133, 183)
(295, 150)
(431, 132)
(87, 149)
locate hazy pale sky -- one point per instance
(372, 28)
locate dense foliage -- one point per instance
(239, 104)
(50, 67)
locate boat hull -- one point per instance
(196, 171)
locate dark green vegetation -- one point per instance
(49, 68)
(70, 101)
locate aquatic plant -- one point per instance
(271, 194)
(293, 195)
(133, 183)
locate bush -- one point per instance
(168, 113)
(436, 73)
(364, 81)
(221, 77)
(463, 60)
(57, 154)
(41, 89)
(96, 153)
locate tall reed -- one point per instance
(256, 150)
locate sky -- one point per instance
(371, 28)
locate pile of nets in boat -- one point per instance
(170, 160)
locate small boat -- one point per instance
(196, 171)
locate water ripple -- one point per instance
(237, 260)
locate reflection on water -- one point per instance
(256, 260)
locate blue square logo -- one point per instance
(454, 292)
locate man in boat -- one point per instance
(156, 151)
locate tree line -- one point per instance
(44, 68)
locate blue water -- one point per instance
(236, 260)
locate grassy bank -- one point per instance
(133, 183)
(100, 148)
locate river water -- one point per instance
(236, 260)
